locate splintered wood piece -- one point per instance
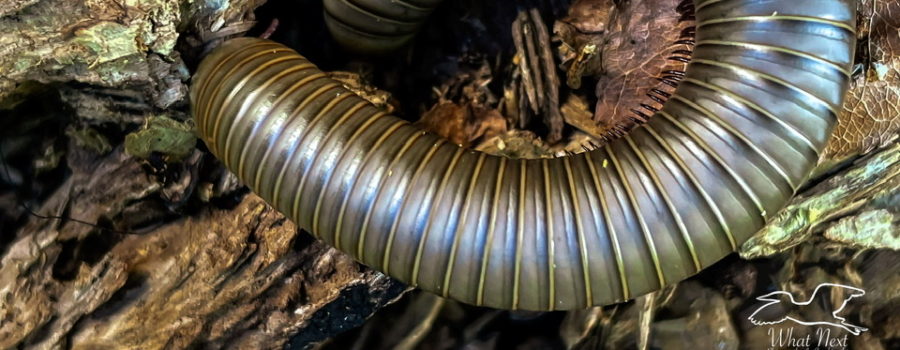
(539, 78)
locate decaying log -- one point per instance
(868, 191)
(239, 276)
(121, 255)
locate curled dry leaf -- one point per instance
(637, 50)
(871, 114)
(581, 33)
(463, 124)
(644, 56)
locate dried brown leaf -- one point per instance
(871, 115)
(635, 49)
(583, 27)
(463, 124)
(636, 59)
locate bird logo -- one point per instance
(781, 300)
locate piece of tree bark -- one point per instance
(537, 69)
(239, 277)
(111, 43)
(872, 183)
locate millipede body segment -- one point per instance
(375, 26)
(732, 144)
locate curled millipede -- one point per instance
(751, 113)
(375, 26)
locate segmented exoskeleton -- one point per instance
(729, 147)
(375, 26)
